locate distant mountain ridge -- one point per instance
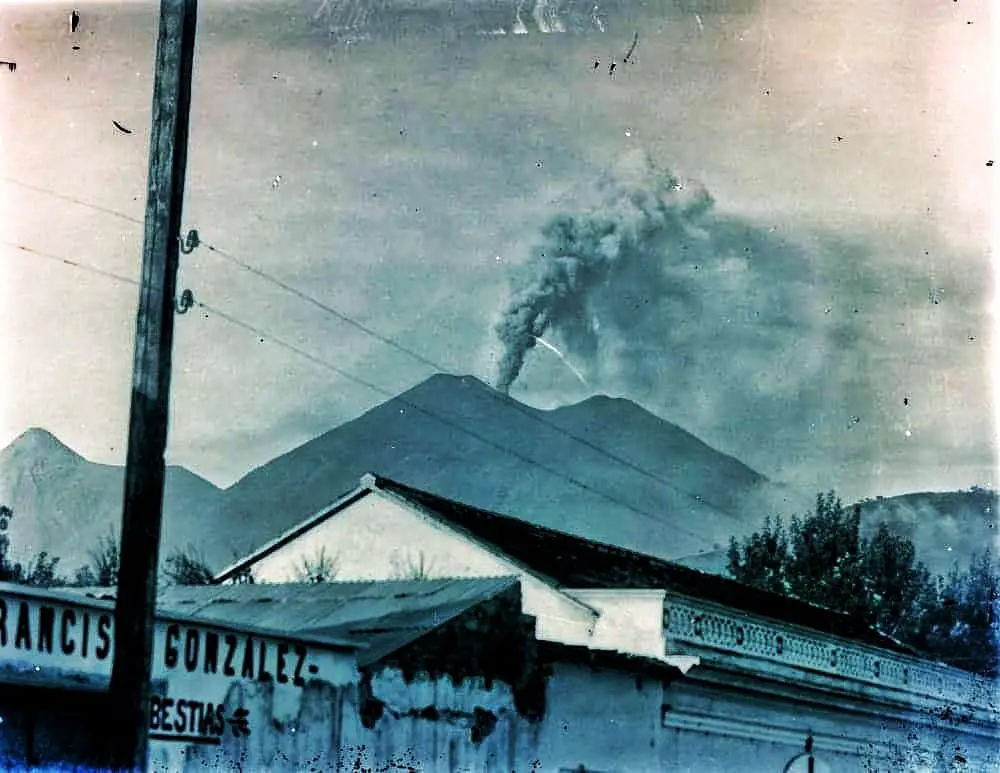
(604, 468)
(576, 468)
(947, 525)
(64, 504)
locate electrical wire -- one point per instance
(262, 334)
(324, 307)
(72, 200)
(72, 263)
(427, 362)
(523, 409)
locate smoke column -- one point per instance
(642, 214)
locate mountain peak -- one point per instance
(607, 402)
(449, 381)
(38, 441)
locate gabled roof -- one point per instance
(348, 499)
(378, 616)
(573, 562)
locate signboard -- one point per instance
(183, 720)
(77, 637)
(33, 630)
(196, 649)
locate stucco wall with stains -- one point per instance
(292, 690)
(290, 731)
(292, 694)
(717, 720)
(614, 722)
(606, 721)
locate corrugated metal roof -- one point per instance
(380, 615)
(104, 599)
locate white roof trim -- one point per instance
(651, 593)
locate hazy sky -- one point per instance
(833, 330)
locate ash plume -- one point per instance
(643, 219)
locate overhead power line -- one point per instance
(324, 307)
(266, 335)
(424, 360)
(72, 263)
(523, 409)
(73, 200)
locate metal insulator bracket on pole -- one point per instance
(183, 304)
(190, 242)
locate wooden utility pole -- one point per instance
(142, 512)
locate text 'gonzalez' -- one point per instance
(196, 649)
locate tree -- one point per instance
(410, 568)
(320, 568)
(763, 560)
(105, 559)
(246, 575)
(188, 568)
(894, 582)
(940, 621)
(977, 632)
(822, 559)
(826, 564)
(10, 571)
(42, 572)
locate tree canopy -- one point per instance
(822, 558)
(182, 567)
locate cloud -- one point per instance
(647, 281)
(783, 346)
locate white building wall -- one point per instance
(686, 751)
(630, 620)
(614, 722)
(725, 722)
(607, 721)
(378, 538)
(286, 719)
(426, 725)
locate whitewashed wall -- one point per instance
(427, 725)
(732, 721)
(607, 721)
(604, 720)
(630, 620)
(293, 715)
(614, 722)
(379, 538)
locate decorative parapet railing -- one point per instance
(707, 626)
